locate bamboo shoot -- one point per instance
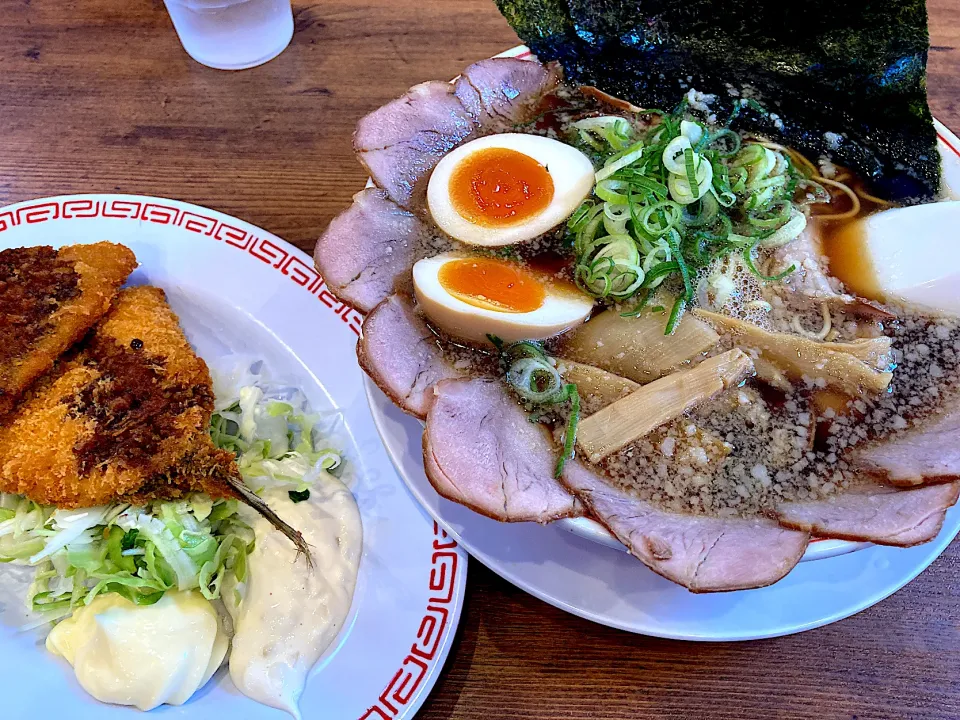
(663, 400)
(598, 388)
(635, 347)
(852, 368)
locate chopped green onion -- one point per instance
(534, 377)
(570, 433)
(298, 496)
(675, 314)
(674, 198)
(748, 261)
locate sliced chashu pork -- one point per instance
(500, 93)
(704, 554)
(811, 279)
(810, 276)
(402, 356)
(876, 513)
(368, 249)
(927, 453)
(481, 450)
(401, 142)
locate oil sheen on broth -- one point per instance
(754, 447)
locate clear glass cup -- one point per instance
(232, 34)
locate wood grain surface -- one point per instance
(97, 96)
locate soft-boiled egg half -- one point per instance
(504, 189)
(470, 297)
(904, 255)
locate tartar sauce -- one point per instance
(142, 655)
(290, 614)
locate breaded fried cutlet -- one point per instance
(125, 418)
(49, 299)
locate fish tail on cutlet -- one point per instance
(125, 419)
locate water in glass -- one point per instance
(232, 34)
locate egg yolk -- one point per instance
(493, 285)
(498, 187)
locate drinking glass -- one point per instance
(232, 34)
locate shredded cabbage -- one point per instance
(276, 438)
(139, 553)
(193, 543)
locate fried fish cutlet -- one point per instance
(48, 300)
(124, 420)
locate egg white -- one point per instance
(560, 311)
(924, 272)
(571, 171)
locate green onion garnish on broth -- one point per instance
(533, 375)
(570, 432)
(674, 199)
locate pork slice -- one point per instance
(811, 277)
(402, 356)
(481, 450)
(501, 93)
(927, 453)
(876, 513)
(704, 554)
(812, 281)
(401, 142)
(368, 248)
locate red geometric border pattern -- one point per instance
(947, 143)
(415, 666)
(268, 252)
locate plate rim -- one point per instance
(405, 692)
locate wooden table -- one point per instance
(97, 96)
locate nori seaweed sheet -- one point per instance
(854, 68)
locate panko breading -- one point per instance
(126, 418)
(49, 299)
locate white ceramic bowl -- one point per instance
(819, 549)
(589, 529)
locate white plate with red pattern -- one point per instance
(239, 289)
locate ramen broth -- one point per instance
(789, 446)
(755, 446)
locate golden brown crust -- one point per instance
(107, 429)
(99, 270)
